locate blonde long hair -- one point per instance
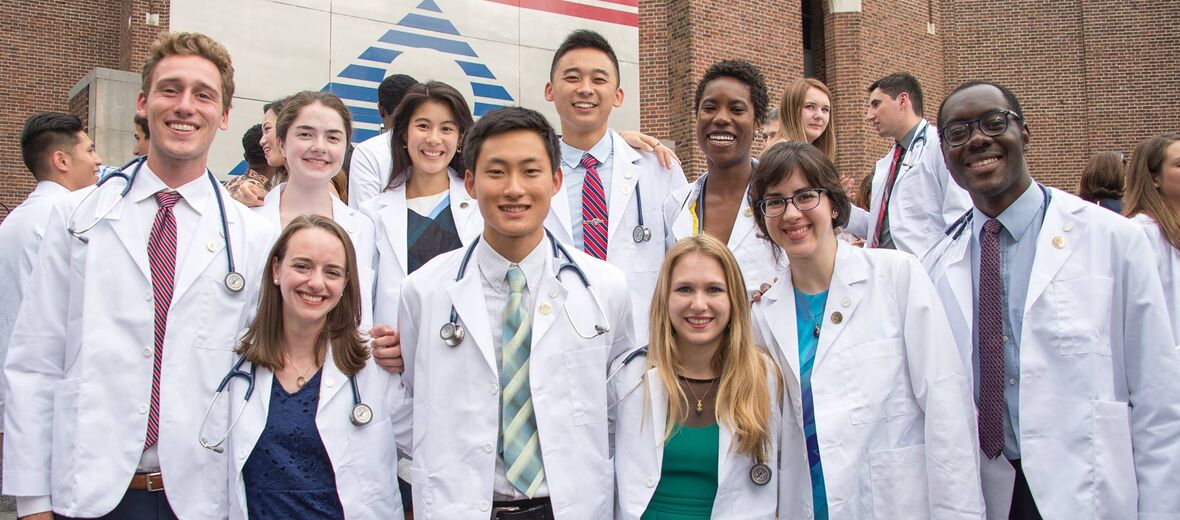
(1142, 195)
(743, 398)
(791, 124)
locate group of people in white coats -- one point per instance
(564, 331)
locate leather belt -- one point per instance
(531, 509)
(147, 481)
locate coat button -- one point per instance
(807, 513)
(143, 408)
(484, 506)
(845, 301)
(147, 352)
(487, 448)
(651, 482)
(627, 175)
(1067, 227)
(329, 382)
(554, 293)
(212, 246)
(242, 453)
(493, 388)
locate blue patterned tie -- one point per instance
(518, 422)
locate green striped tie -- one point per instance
(518, 422)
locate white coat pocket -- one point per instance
(1073, 301)
(585, 371)
(1111, 441)
(374, 458)
(876, 381)
(899, 482)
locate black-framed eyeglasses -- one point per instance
(804, 200)
(991, 124)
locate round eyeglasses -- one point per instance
(773, 207)
(956, 133)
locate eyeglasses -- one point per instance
(773, 207)
(991, 124)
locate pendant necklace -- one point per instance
(700, 399)
(816, 318)
(302, 378)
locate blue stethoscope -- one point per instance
(917, 146)
(641, 233)
(963, 223)
(360, 415)
(234, 281)
(452, 333)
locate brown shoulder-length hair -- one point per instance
(1142, 195)
(791, 123)
(1102, 178)
(744, 398)
(263, 343)
(415, 97)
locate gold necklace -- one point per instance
(700, 400)
(302, 377)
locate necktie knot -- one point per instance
(588, 161)
(167, 199)
(515, 279)
(992, 227)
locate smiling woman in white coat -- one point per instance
(316, 437)
(424, 210)
(878, 410)
(697, 426)
(1153, 200)
(313, 130)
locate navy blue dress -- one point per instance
(288, 475)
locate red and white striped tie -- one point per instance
(162, 257)
(594, 219)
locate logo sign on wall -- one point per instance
(496, 52)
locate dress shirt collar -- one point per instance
(1017, 218)
(494, 267)
(572, 157)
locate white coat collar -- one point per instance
(391, 209)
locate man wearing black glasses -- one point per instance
(1058, 310)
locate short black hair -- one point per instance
(898, 82)
(391, 91)
(585, 39)
(251, 149)
(276, 105)
(1009, 96)
(744, 72)
(44, 134)
(509, 119)
(142, 123)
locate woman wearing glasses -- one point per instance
(877, 412)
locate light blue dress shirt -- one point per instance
(575, 177)
(1018, 248)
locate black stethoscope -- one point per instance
(961, 224)
(234, 281)
(760, 473)
(452, 333)
(360, 415)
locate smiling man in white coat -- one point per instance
(507, 343)
(610, 204)
(1059, 312)
(132, 314)
(914, 199)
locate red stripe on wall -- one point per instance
(580, 10)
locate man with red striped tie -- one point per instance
(611, 203)
(140, 290)
(914, 199)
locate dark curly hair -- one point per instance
(744, 72)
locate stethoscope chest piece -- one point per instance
(235, 282)
(641, 234)
(361, 414)
(760, 474)
(451, 334)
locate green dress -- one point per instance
(688, 479)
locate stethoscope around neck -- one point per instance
(360, 414)
(950, 237)
(453, 333)
(911, 155)
(234, 281)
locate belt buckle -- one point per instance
(504, 509)
(150, 480)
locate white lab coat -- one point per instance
(389, 215)
(1168, 264)
(364, 458)
(456, 390)
(753, 251)
(631, 171)
(81, 355)
(639, 418)
(925, 199)
(360, 231)
(21, 233)
(369, 171)
(893, 409)
(1099, 372)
